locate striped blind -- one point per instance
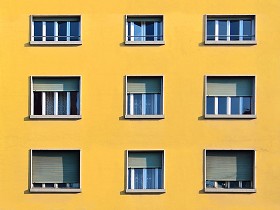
(230, 86)
(144, 84)
(56, 83)
(55, 166)
(144, 159)
(229, 165)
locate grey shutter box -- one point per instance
(144, 84)
(229, 165)
(230, 86)
(56, 18)
(56, 83)
(55, 166)
(144, 159)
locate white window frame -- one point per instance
(163, 173)
(143, 42)
(55, 115)
(143, 116)
(55, 189)
(229, 115)
(232, 190)
(55, 42)
(228, 18)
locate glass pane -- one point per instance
(210, 29)
(137, 104)
(138, 31)
(37, 103)
(49, 103)
(222, 184)
(246, 184)
(234, 184)
(234, 30)
(129, 31)
(159, 31)
(62, 31)
(74, 31)
(151, 178)
(222, 30)
(38, 31)
(62, 103)
(246, 108)
(247, 30)
(222, 105)
(235, 105)
(150, 31)
(74, 103)
(210, 105)
(210, 184)
(138, 178)
(128, 104)
(129, 179)
(160, 186)
(50, 31)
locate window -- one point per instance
(144, 29)
(55, 97)
(55, 171)
(144, 97)
(230, 171)
(230, 29)
(145, 171)
(230, 97)
(56, 29)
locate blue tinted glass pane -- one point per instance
(138, 178)
(210, 184)
(246, 184)
(222, 30)
(158, 111)
(222, 105)
(222, 184)
(234, 30)
(129, 178)
(38, 32)
(247, 30)
(50, 31)
(160, 179)
(151, 178)
(137, 31)
(74, 31)
(137, 104)
(246, 108)
(152, 104)
(159, 31)
(128, 104)
(210, 105)
(129, 31)
(211, 30)
(62, 31)
(150, 32)
(234, 184)
(235, 105)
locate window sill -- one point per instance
(212, 116)
(55, 42)
(55, 116)
(145, 190)
(54, 190)
(223, 190)
(144, 116)
(144, 42)
(230, 42)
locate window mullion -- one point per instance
(156, 178)
(131, 105)
(68, 31)
(43, 103)
(44, 30)
(144, 178)
(55, 103)
(68, 96)
(155, 105)
(241, 30)
(143, 103)
(228, 105)
(155, 31)
(143, 26)
(216, 105)
(228, 30)
(216, 30)
(240, 105)
(55, 31)
(132, 31)
(132, 178)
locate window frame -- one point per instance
(161, 42)
(232, 116)
(153, 191)
(32, 116)
(230, 190)
(158, 116)
(229, 17)
(55, 190)
(32, 42)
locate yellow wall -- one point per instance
(103, 134)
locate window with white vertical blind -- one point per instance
(230, 97)
(55, 97)
(55, 171)
(230, 170)
(144, 97)
(145, 171)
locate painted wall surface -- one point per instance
(103, 135)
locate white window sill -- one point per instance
(55, 190)
(145, 190)
(55, 116)
(221, 116)
(55, 42)
(223, 190)
(144, 116)
(144, 42)
(231, 42)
